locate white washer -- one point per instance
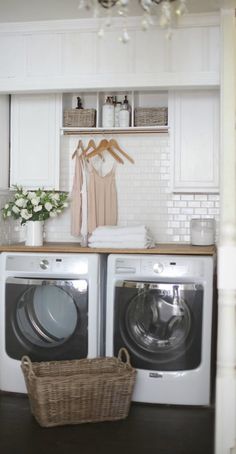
(51, 309)
(160, 308)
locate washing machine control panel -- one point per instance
(127, 266)
(171, 266)
(163, 267)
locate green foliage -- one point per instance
(37, 205)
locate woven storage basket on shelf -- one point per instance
(83, 118)
(79, 391)
(150, 116)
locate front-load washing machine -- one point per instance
(51, 309)
(160, 309)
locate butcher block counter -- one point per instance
(170, 248)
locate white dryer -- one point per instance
(160, 308)
(51, 309)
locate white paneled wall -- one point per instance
(144, 195)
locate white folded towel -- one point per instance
(122, 244)
(114, 237)
(113, 230)
(139, 237)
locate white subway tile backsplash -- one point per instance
(187, 197)
(180, 204)
(200, 196)
(193, 204)
(207, 204)
(213, 211)
(214, 197)
(188, 211)
(143, 189)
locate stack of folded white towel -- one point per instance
(137, 237)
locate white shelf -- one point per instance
(95, 100)
(130, 130)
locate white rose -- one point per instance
(52, 214)
(31, 195)
(15, 209)
(6, 206)
(48, 206)
(35, 201)
(25, 214)
(8, 213)
(55, 197)
(21, 202)
(65, 204)
(38, 208)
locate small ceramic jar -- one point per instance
(202, 232)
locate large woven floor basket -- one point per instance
(79, 391)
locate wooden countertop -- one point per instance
(163, 248)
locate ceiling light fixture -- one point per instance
(168, 11)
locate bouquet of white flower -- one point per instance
(36, 205)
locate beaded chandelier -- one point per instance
(167, 11)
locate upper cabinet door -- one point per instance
(194, 122)
(35, 126)
(4, 141)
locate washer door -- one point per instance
(157, 323)
(46, 317)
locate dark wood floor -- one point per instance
(148, 429)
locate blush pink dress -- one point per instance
(102, 199)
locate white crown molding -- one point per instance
(92, 25)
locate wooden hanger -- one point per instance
(79, 147)
(92, 145)
(105, 146)
(115, 144)
(114, 155)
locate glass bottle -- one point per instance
(124, 114)
(117, 111)
(108, 113)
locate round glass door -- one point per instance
(155, 324)
(46, 315)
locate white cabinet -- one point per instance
(4, 141)
(35, 137)
(194, 121)
(68, 55)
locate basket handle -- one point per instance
(27, 364)
(124, 352)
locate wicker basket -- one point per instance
(83, 118)
(79, 391)
(150, 116)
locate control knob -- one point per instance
(44, 264)
(158, 268)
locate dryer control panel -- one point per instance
(47, 264)
(161, 265)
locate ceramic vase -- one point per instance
(34, 233)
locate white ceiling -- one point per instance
(30, 10)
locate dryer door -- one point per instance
(46, 318)
(160, 324)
